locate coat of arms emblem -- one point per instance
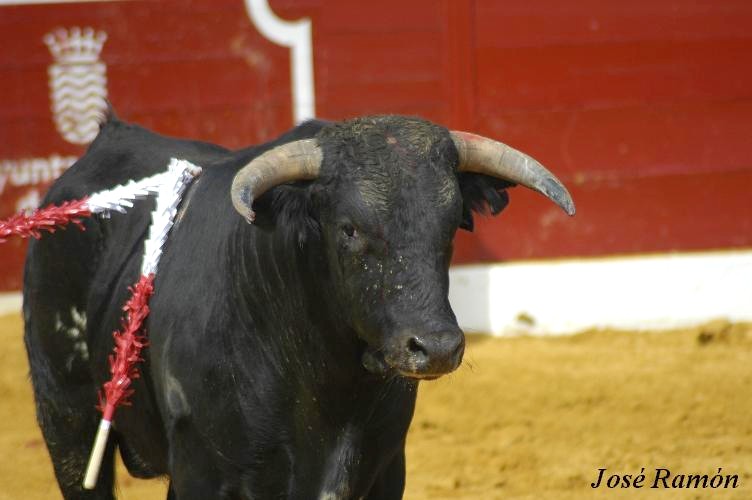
(78, 82)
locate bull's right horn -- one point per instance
(485, 156)
(298, 160)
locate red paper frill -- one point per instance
(49, 218)
(127, 351)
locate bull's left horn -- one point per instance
(298, 160)
(485, 156)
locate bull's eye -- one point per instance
(349, 230)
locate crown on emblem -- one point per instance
(75, 45)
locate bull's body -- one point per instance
(284, 356)
(231, 403)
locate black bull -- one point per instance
(284, 355)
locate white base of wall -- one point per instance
(566, 296)
(10, 303)
(641, 292)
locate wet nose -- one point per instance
(435, 353)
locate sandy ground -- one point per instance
(523, 418)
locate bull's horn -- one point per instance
(485, 156)
(298, 160)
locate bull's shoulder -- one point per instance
(122, 152)
(118, 137)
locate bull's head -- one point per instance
(388, 197)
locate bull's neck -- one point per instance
(288, 302)
(289, 362)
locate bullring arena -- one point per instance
(608, 354)
(522, 418)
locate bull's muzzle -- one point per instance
(426, 355)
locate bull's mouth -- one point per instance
(376, 362)
(420, 376)
(373, 361)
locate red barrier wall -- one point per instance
(642, 108)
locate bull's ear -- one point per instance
(289, 207)
(482, 194)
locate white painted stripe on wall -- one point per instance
(297, 36)
(566, 296)
(10, 302)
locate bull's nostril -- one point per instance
(415, 346)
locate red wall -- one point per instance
(642, 108)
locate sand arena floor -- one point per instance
(523, 418)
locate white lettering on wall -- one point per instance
(33, 171)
